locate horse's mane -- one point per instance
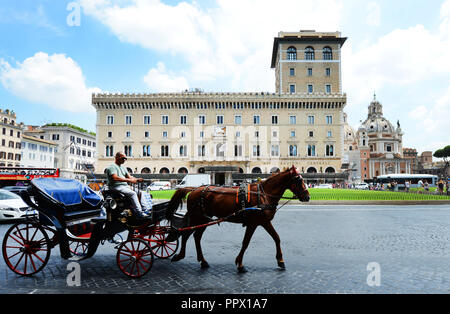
(273, 176)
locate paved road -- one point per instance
(327, 249)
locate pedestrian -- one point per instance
(407, 186)
(447, 187)
(441, 187)
(426, 186)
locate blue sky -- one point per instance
(48, 68)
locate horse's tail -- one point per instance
(175, 202)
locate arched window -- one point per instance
(292, 53)
(330, 170)
(164, 170)
(309, 53)
(327, 53)
(145, 170)
(182, 170)
(201, 170)
(256, 170)
(311, 170)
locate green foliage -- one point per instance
(72, 127)
(344, 195)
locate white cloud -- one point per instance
(373, 14)
(160, 80)
(227, 46)
(55, 80)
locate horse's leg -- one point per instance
(248, 235)
(185, 236)
(271, 230)
(198, 237)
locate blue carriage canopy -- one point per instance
(67, 191)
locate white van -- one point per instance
(195, 180)
(159, 186)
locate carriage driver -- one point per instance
(118, 179)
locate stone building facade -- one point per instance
(246, 133)
(10, 139)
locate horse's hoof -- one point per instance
(281, 265)
(242, 270)
(204, 265)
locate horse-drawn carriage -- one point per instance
(70, 214)
(77, 219)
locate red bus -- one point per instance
(19, 176)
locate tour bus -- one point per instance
(412, 178)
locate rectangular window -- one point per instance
(310, 119)
(128, 119)
(292, 150)
(109, 120)
(219, 119)
(202, 119)
(292, 119)
(309, 72)
(275, 151)
(256, 151)
(292, 72)
(329, 134)
(164, 134)
(238, 119)
(164, 151)
(310, 88)
(238, 134)
(311, 150)
(328, 88)
(202, 134)
(146, 134)
(292, 133)
(183, 119)
(292, 88)
(327, 72)
(164, 119)
(274, 119)
(147, 120)
(201, 150)
(256, 119)
(311, 133)
(329, 119)
(237, 150)
(127, 134)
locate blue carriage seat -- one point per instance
(72, 197)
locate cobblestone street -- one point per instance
(326, 249)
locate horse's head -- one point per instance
(298, 186)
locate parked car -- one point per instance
(13, 207)
(15, 188)
(159, 186)
(324, 186)
(362, 186)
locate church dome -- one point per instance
(375, 122)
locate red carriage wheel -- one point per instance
(134, 258)
(26, 248)
(78, 248)
(160, 247)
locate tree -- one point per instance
(443, 153)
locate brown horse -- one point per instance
(223, 202)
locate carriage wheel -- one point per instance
(160, 247)
(26, 248)
(134, 258)
(78, 248)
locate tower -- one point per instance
(307, 62)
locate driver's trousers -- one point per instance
(132, 195)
